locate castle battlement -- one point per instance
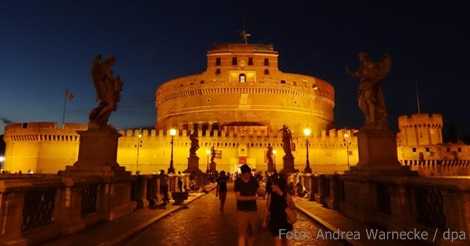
(50, 131)
(421, 120)
(43, 131)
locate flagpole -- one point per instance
(417, 99)
(65, 105)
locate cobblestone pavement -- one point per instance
(203, 224)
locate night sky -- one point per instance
(47, 47)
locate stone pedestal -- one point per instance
(97, 154)
(362, 183)
(193, 165)
(378, 154)
(97, 164)
(288, 162)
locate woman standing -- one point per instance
(276, 217)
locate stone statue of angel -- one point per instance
(108, 90)
(370, 96)
(194, 143)
(286, 140)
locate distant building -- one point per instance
(420, 146)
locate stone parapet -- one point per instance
(38, 208)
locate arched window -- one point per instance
(266, 71)
(242, 78)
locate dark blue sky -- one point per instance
(47, 46)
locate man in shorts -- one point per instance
(246, 188)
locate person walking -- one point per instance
(221, 190)
(276, 217)
(180, 182)
(246, 188)
(164, 187)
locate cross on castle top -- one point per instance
(244, 35)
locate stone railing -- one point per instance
(30, 210)
(38, 208)
(399, 202)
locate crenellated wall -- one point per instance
(46, 148)
(420, 129)
(421, 147)
(41, 146)
(327, 151)
(50, 149)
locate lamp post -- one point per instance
(138, 145)
(307, 133)
(347, 141)
(172, 134)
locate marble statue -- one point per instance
(108, 90)
(194, 144)
(286, 140)
(370, 99)
(269, 158)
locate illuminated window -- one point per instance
(266, 71)
(217, 61)
(266, 61)
(242, 78)
(250, 61)
(234, 61)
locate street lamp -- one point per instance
(307, 133)
(138, 145)
(347, 141)
(172, 134)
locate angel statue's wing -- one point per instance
(97, 76)
(385, 65)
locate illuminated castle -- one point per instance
(243, 85)
(237, 105)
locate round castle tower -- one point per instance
(420, 129)
(243, 86)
